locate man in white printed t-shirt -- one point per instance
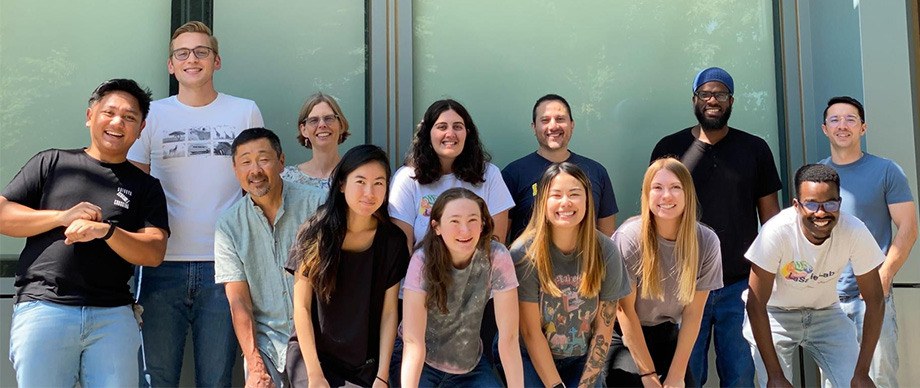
(186, 145)
(798, 257)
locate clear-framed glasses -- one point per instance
(201, 52)
(720, 96)
(314, 121)
(849, 120)
(829, 206)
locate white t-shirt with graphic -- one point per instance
(188, 150)
(806, 274)
(411, 202)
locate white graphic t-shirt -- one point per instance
(806, 274)
(411, 202)
(188, 150)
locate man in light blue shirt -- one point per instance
(875, 190)
(251, 245)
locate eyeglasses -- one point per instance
(201, 52)
(720, 96)
(829, 206)
(314, 121)
(851, 120)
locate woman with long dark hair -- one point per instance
(571, 276)
(347, 262)
(450, 278)
(673, 262)
(446, 152)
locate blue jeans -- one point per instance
(53, 345)
(884, 368)
(480, 376)
(723, 320)
(826, 334)
(570, 369)
(174, 296)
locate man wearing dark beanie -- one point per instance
(736, 181)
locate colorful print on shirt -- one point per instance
(567, 320)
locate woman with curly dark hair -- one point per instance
(446, 152)
(347, 262)
(450, 278)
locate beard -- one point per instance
(708, 124)
(260, 191)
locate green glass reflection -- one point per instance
(626, 68)
(279, 52)
(53, 53)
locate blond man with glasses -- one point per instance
(186, 145)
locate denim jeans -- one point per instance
(480, 376)
(826, 334)
(884, 368)
(53, 345)
(570, 369)
(174, 296)
(723, 320)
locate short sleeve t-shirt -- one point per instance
(346, 329)
(806, 274)
(568, 320)
(452, 340)
(188, 150)
(85, 273)
(654, 311)
(522, 175)
(411, 202)
(729, 177)
(867, 187)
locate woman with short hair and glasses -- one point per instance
(321, 128)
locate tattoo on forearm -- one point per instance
(597, 360)
(608, 312)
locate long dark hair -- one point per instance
(438, 261)
(470, 165)
(318, 245)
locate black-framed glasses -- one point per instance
(314, 121)
(201, 52)
(720, 96)
(849, 120)
(829, 206)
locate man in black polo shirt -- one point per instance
(88, 216)
(736, 180)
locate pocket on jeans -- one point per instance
(22, 307)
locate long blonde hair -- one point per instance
(687, 247)
(540, 231)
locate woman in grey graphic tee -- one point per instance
(673, 263)
(448, 283)
(570, 279)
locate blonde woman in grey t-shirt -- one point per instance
(673, 263)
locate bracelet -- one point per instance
(383, 381)
(648, 374)
(111, 231)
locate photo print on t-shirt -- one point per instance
(200, 140)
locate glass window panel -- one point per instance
(279, 52)
(54, 53)
(626, 68)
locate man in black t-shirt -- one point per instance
(88, 216)
(736, 180)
